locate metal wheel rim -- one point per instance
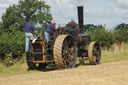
(96, 53)
(69, 53)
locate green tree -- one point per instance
(16, 15)
(1, 28)
(102, 35)
(122, 26)
(121, 33)
(35, 9)
(13, 18)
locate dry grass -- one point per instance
(115, 54)
(104, 74)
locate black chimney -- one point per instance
(80, 17)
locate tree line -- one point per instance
(107, 37)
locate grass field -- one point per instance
(107, 56)
(113, 73)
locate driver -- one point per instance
(73, 25)
(51, 28)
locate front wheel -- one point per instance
(94, 53)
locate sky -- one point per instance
(99, 12)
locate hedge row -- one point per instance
(107, 37)
(13, 43)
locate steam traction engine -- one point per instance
(63, 50)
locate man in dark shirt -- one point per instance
(29, 29)
(51, 28)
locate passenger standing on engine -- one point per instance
(29, 30)
(51, 28)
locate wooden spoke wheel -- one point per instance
(65, 52)
(94, 53)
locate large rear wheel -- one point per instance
(94, 53)
(65, 52)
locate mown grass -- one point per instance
(112, 55)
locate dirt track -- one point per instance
(105, 74)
